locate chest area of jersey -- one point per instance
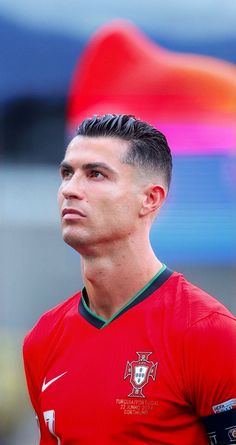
(101, 371)
(111, 381)
(122, 384)
(104, 379)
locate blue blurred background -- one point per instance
(40, 44)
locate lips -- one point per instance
(69, 212)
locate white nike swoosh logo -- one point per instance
(46, 385)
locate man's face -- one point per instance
(100, 196)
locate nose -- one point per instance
(72, 188)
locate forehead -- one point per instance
(96, 149)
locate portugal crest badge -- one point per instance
(140, 371)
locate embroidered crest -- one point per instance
(140, 371)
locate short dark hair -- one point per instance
(148, 148)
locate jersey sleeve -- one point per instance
(32, 366)
(29, 365)
(209, 368)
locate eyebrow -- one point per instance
(90, 166)
(102, 165)
(65, 164)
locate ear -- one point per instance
(154, 197)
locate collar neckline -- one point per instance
(159, 278)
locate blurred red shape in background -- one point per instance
(191, 98)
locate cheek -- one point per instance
(59, 197)
(125, 209)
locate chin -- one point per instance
(71, 237)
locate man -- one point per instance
(140, 355)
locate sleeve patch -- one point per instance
(225, 406)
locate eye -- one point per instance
(66, 173)
(95, 174)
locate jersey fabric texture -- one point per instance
(146, 376)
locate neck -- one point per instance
(112, 280)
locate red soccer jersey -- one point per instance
(146, 376)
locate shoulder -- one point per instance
(196, 318)
(208, 342)
(196, 305)
(210, 332)
(49, 323)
